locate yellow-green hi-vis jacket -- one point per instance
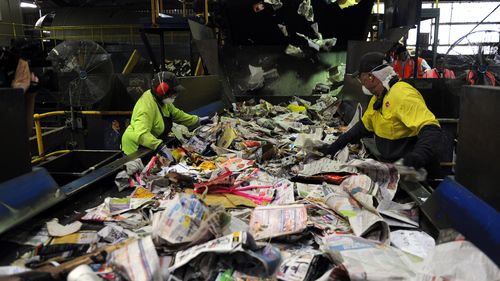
(146, 124)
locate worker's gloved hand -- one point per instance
(165, 152)
(205, 120)
(329, 149)
(413, 160)
(408, 172)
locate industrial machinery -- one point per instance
(85, 76)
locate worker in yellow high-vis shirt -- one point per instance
(398, 117)
(154, 115)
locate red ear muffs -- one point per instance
(162, 89)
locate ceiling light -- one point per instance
(28, 5)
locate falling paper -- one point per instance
(291, 50)
(306, 9)
(283, 29)
(256, 79)
(275, 3)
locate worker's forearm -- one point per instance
(149, 141)
(427, 148)
(357, 132)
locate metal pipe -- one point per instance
(436, 37)
(40, 159)
(206, 12)
(105, 113)
(39, 138)
(38, 127)
(85, 112)
(153, 10)
(448, 120)
(132, 61)
(437, 2)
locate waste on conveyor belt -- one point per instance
(249, 197)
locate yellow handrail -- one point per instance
(38, 127)
(40, 159)
(90, 32)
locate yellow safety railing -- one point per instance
(38, 128)
(100, 33)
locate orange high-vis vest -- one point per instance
(433, 73)
(407, 72)
(471, 78)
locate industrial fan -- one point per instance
(84, 72)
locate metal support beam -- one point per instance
(162, 51)
(433, 14)
(151, 54)
(417, 47)
(132, 61)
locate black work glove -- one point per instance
(353, 135)
(427, 149)
(413, 160)
(205, 120)
(330, 149)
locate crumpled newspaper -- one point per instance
(320, 44)
(134, 166)
(293, 51)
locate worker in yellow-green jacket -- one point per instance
(154, 115)
(397, 115)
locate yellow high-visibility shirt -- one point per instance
(402, 115)
(146, 124)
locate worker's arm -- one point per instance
(426, 149)
(357, 132)
(181, 117)
(143, 125)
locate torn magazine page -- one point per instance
(180, 220)
(284, 192)
(273, 221)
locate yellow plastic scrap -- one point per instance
(297, 108)
(266, 105)
(347, 3)
(178, 154)
(207, 165)
(227, 137)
